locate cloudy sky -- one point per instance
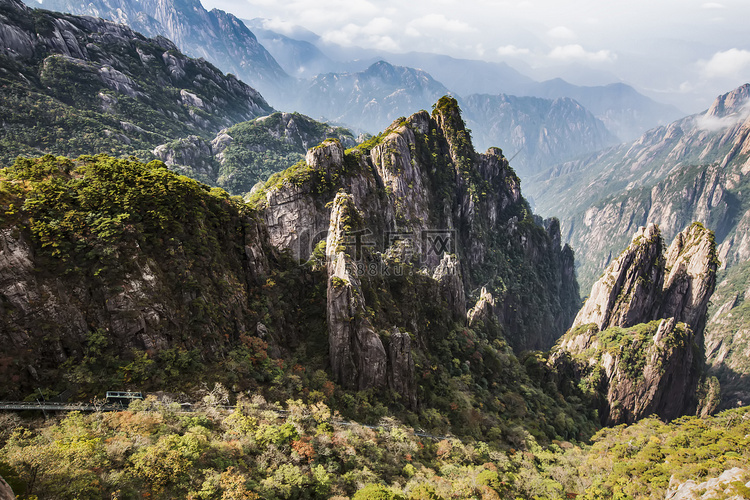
(683, 52)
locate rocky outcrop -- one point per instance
(401, 373)
(728, 485)
(448, 274)
(643, 284)
(406, 229)
(147, 295)
(358, 358)
(245, 154)
(636, 339)
(5, 492)
(690, 278)
(425, 192)
(626, 294)
(422, 200)
(192, 151)
(650, 369)
(483, 310)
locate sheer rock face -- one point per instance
(647, 374)
(691, 265)
(626, 294)
(668, 382)
(358, 358)
(423, 182)
(45, 319)
(483, 310)
(642, 284)
(401, 374)
(448, 274)
(656, 372)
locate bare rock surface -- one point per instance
(636, 338)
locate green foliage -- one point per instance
(263, 147)
(376, 492)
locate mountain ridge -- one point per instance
(121, 92)
(215, 35)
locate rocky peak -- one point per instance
(448, 117)
(326, 157)
(641, 325)
(456, 216)
(358, 358)
(642, 284)
(625, 295)
(448, 274)
(731, 103)
(483, 310)
(691, 264)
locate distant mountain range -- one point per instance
(266, 63)
(624, 111)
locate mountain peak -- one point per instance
(731, 103)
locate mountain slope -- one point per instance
(249, 152)
(537, 132)
(215, 35)
(693, 169)
(72, 85)
(351, 273)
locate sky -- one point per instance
(681, 52)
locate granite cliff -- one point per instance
(637, 341)
(694, 169)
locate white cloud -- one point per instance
(512, 50)
(577, 52)
(562, 33)
(713, 5)
(732, 63)
(434, 24)
(376, 34)
(714, 123)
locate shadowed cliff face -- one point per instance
(636, 340)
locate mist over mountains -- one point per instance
(352, 88)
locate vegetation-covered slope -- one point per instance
(254, 451)
(249, 152)
(115, 273)
(74, 85)
(216, 36)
